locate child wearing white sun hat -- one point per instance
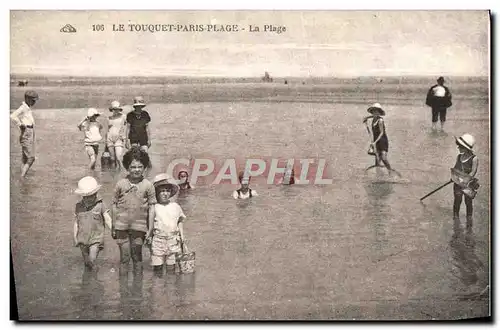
(92, 129)
(463, 176)
(90, 218)
(168, 233)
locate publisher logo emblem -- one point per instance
(68, 28)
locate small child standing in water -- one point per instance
(168, 232)
(133, 210)
(90, 218)
(92, 129)
(244, 192)
(466, 163)
(115, 136)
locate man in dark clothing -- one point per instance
(137, 131)
(439, 99)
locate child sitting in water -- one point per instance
(184, 183)
(466, 163)
(90, 218)
(244, 192)
(380, 142)
(168, 232)
(288, 176)
(92, 129)
(133, 210)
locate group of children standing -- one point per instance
(124, 131)
(142, 213)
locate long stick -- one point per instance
(432, 192)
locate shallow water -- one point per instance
(356, 249)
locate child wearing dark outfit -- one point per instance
(137, 126)
(439, 99)
(380, 142)
(244, 192)
(184, 183)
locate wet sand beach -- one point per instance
(356, 249)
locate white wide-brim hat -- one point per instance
(87, 186)
(467, 141)
(166, 180)
(115, 105)
(376, 107)
(93, 112)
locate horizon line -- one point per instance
(245, 77)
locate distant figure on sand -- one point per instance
(115, 136)
(184, 184)
(91, 216)
(244, 192)
(380, 143)
(23, 117)
(137, 129)
(92, 129)
(466, 183)
(439, 99)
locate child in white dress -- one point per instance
(168, 232)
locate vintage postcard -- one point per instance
(250, 165)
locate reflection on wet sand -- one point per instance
(89, 297)
(303, 248)
(172, 295)
(131, 299)
(465, 263)
(378, 214)
(243, 205)
(180, 288)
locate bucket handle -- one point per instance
(184, 247)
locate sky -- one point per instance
(315, 43)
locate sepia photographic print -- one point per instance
(250, 165)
